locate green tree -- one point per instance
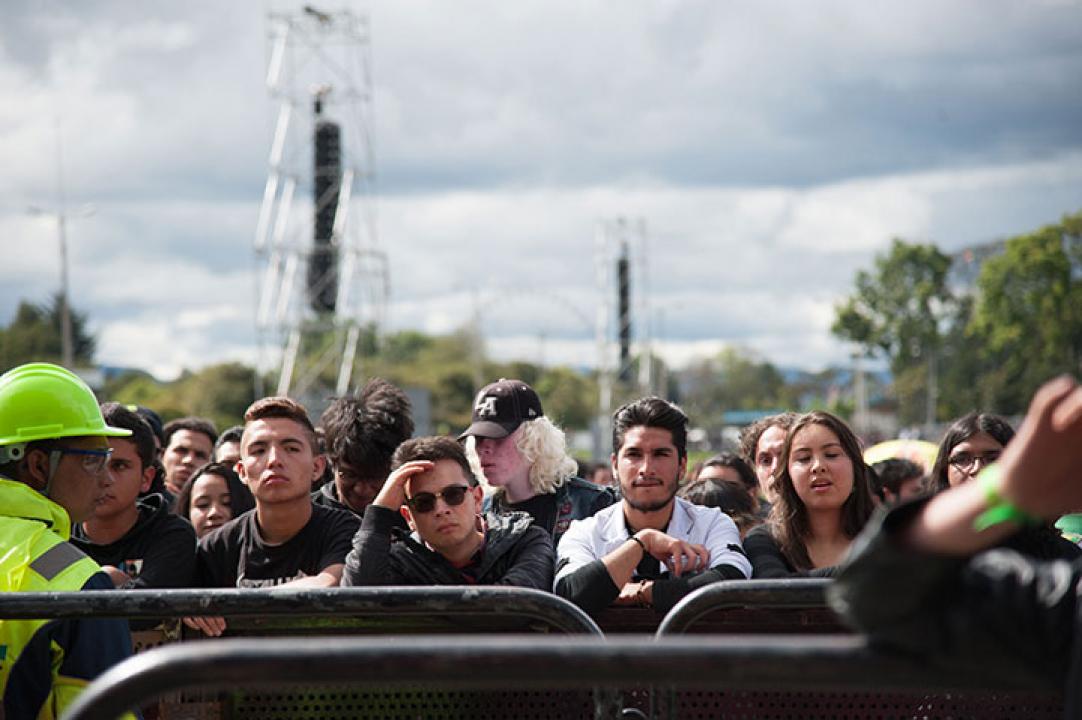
(1028, 313)
(735, 379)
(219, 392)
(898, 310)
(34, 335)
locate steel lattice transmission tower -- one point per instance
(324, 279)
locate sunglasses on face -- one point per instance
(425, 502)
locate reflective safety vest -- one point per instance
(45, 663)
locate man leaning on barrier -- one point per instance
(652, 548)
(453, 542)
(919, 581)
(286, 541)
(53, 457)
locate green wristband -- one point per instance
(999, 510)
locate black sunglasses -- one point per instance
(425, 502)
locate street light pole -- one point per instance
(67, 350)
(67, 342)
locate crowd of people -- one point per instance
(107, 496)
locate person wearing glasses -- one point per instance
(452, 542)
(54, 450)
(972, 443)
(931, 578)
(139, 543)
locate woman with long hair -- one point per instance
(211, 497)
(973, 442)
(823, 500)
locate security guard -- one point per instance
(53, 457)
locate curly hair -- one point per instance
(543, 446)
(788, 520)
(363, 431)
(749, 436)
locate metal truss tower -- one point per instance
(622, 279)
(324, 279)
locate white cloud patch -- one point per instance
(771, 150)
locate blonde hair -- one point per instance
(544, 448)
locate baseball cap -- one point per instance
(501, 407)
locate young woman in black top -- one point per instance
(824, 499)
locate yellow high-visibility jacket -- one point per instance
(45, 663)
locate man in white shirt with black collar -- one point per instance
(652, 548)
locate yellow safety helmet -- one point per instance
(40, 401)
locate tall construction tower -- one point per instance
(620, 262)
(317, 223)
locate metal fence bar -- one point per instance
(381, 601)
(765, 594)
(502, 662)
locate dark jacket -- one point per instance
(157, 552)
(515, 553)
(999, 612)
(327, 496)
(576, 499)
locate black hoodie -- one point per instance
(158, 551)
(515, 552)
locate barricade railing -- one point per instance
(484, 604)
(768, 595)
(501, 662)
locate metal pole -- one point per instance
(67, 350)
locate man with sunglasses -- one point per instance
(452, 542)
(54, 450)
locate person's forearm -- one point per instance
(945, 524)
(590, 587)
(327, 578)
(622, 561)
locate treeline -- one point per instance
(983, 332)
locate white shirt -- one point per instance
(595, 537)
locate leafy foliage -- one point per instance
(34, 336)
(1028, 314)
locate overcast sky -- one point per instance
(771, 148)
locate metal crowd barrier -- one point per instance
(483, 607)
(770, 595)
(499, 662)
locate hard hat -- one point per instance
(40, 401)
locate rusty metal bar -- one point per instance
(484, 601)
(765, 594)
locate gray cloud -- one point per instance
(772, 150)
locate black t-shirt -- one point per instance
(235, 554)
(542, 508)
(158, 551)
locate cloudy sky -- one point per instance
(770, 148)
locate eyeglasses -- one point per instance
(94, 461)
(967, 462)
(425, 502)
